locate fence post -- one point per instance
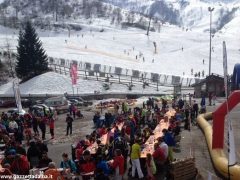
(65, 71)
(85, 74)
(157, 85)
(97, 76)
(131, 80)
(119, 78)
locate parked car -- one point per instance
(39, 108)
(12, 103)
(80, 101)
(26, 103)
(45, 106)
(60, 103)
(15, 110)
(74, 101)
(7, 103)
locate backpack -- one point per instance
(119, 143)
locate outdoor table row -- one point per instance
(163, 124)
(104, 139)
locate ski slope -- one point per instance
(178, 51)
(119, 48)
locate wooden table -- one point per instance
(103, 139)
(149, 144)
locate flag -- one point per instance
(225, 72)
(73, 73)
(231, 145)
(17, 96)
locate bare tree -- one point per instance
(69, 31)
(56, 9)
(66, 10)
(153, 9)
(149, 24)
(132, 17)
(9, 60)
(88, 10)
(118, 14)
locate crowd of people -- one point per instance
(122, 153)
(22, 142)
(22, 147)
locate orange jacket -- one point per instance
(53, 174)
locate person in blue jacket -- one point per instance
(68, 164)
(170, 141)
(103, 165)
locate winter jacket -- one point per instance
(104, 167)
(69, 165)
(86, 166)
(20, 165)
(118, 162)
(169, 140)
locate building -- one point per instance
(211, 84)
(235, 79)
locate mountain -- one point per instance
(189, 14)
(186, 13)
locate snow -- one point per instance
(107, 48)
(53, 83)
(192, 13)
(116, 47)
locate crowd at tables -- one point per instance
(135, 141)
(138, 142)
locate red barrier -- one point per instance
(219, 117)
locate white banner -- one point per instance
(17, 96)
(231, 146)
(225, 71)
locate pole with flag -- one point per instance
(231, 144)
(73, 73)
(17, 96)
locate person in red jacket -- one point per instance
(20, 165)
(158, 155)
(79, 152)
(87, 165)
(51, 127)
(5, 170)
(118, 164)
(102, 131)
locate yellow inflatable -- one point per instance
(218, 156)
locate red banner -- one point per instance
(73, 73)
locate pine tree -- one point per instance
(31, 57)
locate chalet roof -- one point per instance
(210, 78)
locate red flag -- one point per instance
(73, 73)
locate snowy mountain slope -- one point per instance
(187, 13)
(178, 50)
